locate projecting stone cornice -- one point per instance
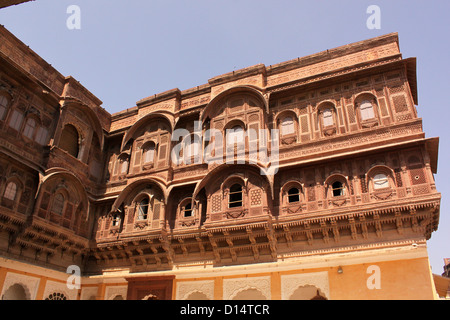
(296, 81)
(355, 142)
(270, 241)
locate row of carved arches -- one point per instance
(237, 191)
(158, 140)
(326, 117)
(62, 199)
(306, 292)
(19, 291)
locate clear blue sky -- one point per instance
(128, 50)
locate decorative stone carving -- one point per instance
(112, 292)
(185, 289)
(88, 293)
(61, 287)
(290, 283)
(30, 284)
(231, 287)
(236, 214)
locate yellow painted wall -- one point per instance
(42, 280)
(398, 280)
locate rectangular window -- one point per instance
(16, 120)
(41, 136)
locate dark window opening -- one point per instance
(235, 197)
(294, 195)
(338, 189)
(187, 210)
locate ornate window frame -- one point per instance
(238, 211)
(370, 98)
(146, 147)
(143, 221)
(330, 189)
(288, 206)
(12, 203)
(331, 128)
(381, 193)
(292, 137)
(193, 218)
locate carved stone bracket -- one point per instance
(236, 214)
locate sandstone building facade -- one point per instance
(337, 202)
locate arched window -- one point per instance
(4, 102)
(337, 189)
(235, 196)
(143, 209)
(30, 125)
(293, 195)
(69, 140)
(10, 191)
(287, 126)
(149, 153)
(16, 120)
(327, 119)
(366, 109)
(380, 181)
(187, 210)
(58, 204)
